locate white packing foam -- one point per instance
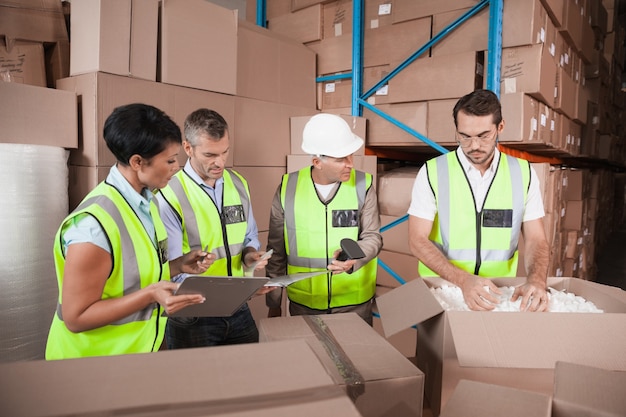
(451, 299)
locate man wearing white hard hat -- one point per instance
(313, 210)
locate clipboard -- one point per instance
(224, 295)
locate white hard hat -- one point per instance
(329, 134)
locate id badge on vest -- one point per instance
(498, 218)
(233, 214)
(162, 251)
(345, 218)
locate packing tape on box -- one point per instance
(355, 383)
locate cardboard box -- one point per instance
(263, 132)
(333, 54)
(474, 399)
(263, 182)
(583, 390)
(565, 99)
(81, 180)
(216, 381)
(379, 379)
(38, 115)
(396, 238)
(99, 93)
(296, 126)
(395, 42)
(394, 190)
(523, 22)
(404, 10)
(304, 25)
(115, 36)
(518, 350)
(191, 55)
(383, 132)
(400, 268)
(531, 70)
(441, 77)
(23, 63)
(520, 113)
(440, 124)
(38, 21)
(272, 67)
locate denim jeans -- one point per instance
(188, 332)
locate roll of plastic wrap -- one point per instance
(33, 202)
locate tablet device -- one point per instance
(224, 295)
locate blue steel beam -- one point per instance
(261, 13)
(494, 50)
(403, 126)
(357, 55)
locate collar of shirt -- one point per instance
(194, 176)
(135, 199)
(468, 167)
(138, 202)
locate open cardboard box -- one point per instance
(381, 381)
(579, 391)
(518, 350)
(269, 379)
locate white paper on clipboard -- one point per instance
(286, 280)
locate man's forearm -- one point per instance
(537, 258)
(427, 253)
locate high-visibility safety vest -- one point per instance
(136, 264)
(204, 226)
(482, 242)
(313, 231)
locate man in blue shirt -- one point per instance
(207, 206)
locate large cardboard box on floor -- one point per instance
(518, 350)
(38, 115)
(115, 36)
(217, 381)
(380, 380)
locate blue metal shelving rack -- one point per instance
(359, 99)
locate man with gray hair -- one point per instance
(312, 211)
(207, 205)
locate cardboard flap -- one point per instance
(371, 355)
(410, 304)
(116, 385)
(477, 399)
(584, 391)
(538, 340)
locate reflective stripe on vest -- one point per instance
(136, 264)
(311, 237)
(198, 212)
(456, 231)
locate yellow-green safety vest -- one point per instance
(311, 237)
(482, 242)
(204, 226)
(136, 264)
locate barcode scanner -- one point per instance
(350, 250)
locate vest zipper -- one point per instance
(478, 239)
(329, 275)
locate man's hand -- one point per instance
(534, 297)
(477, 293)
(338, 267)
